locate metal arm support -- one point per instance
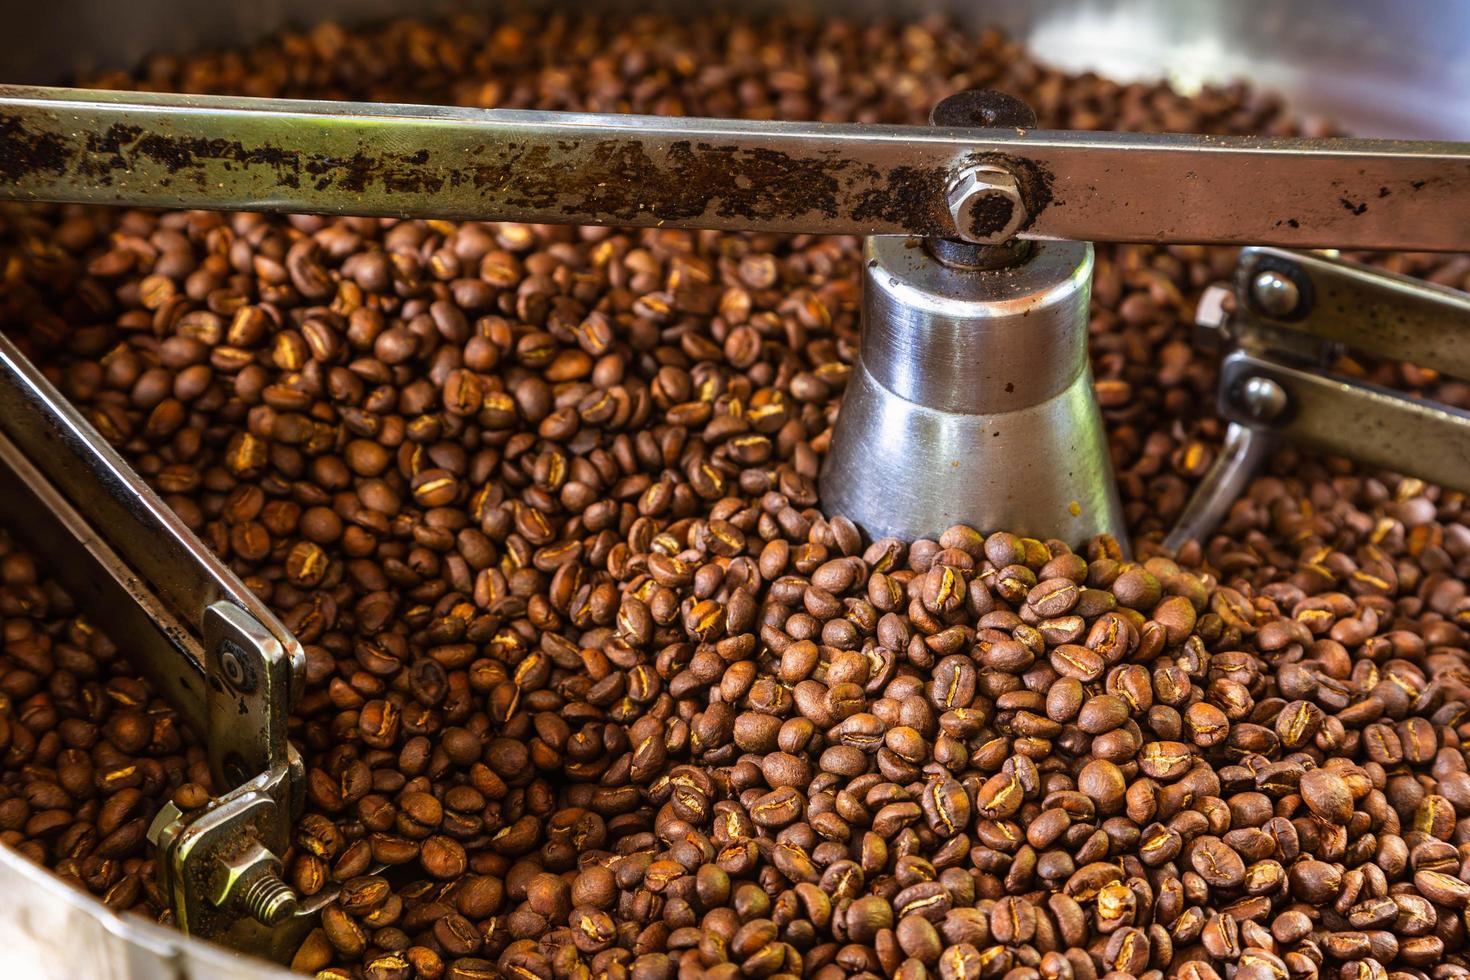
(157, 150)
(218, 653)
(1294, 314)
(208, 645)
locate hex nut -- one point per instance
(1212, 319)
(985, 204)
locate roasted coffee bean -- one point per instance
(946, 807)
(1215, 862)
(1104, 784)
(345, 934)
(1327, 794)
(961, 961)
(1315, 882)
(1442, 889)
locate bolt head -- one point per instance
(985, 204)
(233, 671)
(1262, 399)
(1275, 293)
(984, 108)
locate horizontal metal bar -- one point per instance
(1374, 425)
(155, 546)
(1367, 309)
(153, 150)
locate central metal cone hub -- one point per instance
(972, 401)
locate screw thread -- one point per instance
(269, 899)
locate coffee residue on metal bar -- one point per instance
(608, 181)
(904, 194)
(1035, 183)
(619, 181)
(23, 152)
(989, 216)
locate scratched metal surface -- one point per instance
(196, 151)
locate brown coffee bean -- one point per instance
(961, 961)
(363, 894)
(443, 857)
(1314, 882)
(1165, 760)
(1104, 783)
(1217, 863)
(1136, 588)
(946, 806)
(345, 935)
(1442, 889)
(1327, 795)
(1102, 714)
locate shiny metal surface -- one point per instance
(249, 673)
(211, 863)
(967, 341)
(148, 149)
(1290, 316)
(52, 931)
(975, 341)
(1261, 398)
(1275, 294)
(102, 584)
(986, 204)
(229, 673)
(1241, 457)
(1365, 309)
(1376, 67)
(1348, 418)
(1379, 67)
(972, 401)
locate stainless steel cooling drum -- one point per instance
(971, 401)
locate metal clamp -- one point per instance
(204, 641)
(1293, 315)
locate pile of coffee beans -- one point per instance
(588, 671)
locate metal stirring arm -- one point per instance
(1294, 314)
(206, 643)
(970, 182)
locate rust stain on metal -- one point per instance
(399, 173)
(115, 151)
(611, 180)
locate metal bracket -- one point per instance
(221, 868)
(222, 864)
(207, 643)
(1294, 314)
(1241, 457)
(247, 675)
